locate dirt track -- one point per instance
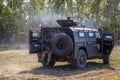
(19, 65)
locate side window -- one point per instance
(108, 37)
(35, 34)
(97, 35)
(91, 34)
(81, 34)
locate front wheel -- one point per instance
(81, 59)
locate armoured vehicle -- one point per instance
(70, 43)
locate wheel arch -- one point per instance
(83, 48)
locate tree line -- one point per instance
(16, 15)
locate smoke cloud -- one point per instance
(48, 20)
(86, 23)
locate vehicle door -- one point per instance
(108, 42)
(34, 42)
(91, 44)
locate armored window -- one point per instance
(81, 34)
(90, 34)
(35, 34)
(97, 35)
(108, 37)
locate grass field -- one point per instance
(19, 65)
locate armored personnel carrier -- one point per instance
(70, 43)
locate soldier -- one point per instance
(47, 53)
(68, 18)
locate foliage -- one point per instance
(11, 21)
(15, 17)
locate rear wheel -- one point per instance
(106, 59)
(50, 63)
(81, 60)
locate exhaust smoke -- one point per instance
(47, 20)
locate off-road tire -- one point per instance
(81, 59)
(61, 44)
(106, 59)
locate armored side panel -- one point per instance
(85, 38)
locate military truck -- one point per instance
(70, 42)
